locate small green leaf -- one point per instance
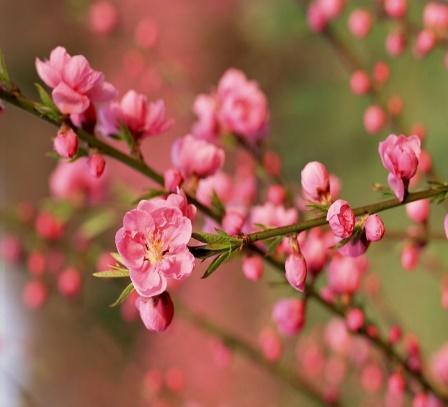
(97, 223)
(217, 204)
(124, 294)
(219, 237)
(114, 272)
(4, 75)
(319, 207)
(126, 135)
(216, 262)
(45, 97)
(201, 252)
(117, 257)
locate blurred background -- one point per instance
(82, 353)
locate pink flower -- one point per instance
(400, 155)
(97, 163)
(271, 215)
(69, 282)
(243, 107)
(207, 126)
(439, 365)
(445, 225)
(410, 256)
(172, 179)
(48, 226)
(66, 142)
(424, 43)
(270, 344)
(341, 219)
(195, 157)
(316, 17)
(141, 117)
(10, 248)
(74, 182)
(395, 43)
(289, 315)
(153, 244)
(219, 184)
(354, 319)
(36, 263)
(315, 251)
(156, 312)
(395, 8)
(233, 221)
(34, 294)
(296, 271)
(418, 211)
(103, 17)
(344, 275)
(374, 119)
(374, 228)
(435, 16)
(381, 72)
(331, 8)
(75, 84)
(360, 82)
(396, 384)
(355, 247)
(276, 194)
(253, 267)
(315, 180)
(360, 23)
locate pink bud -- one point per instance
(232, 222)
(354, 319)
(396, 384)
(315, 181)
(395, 334)
(175, 379)
(445, 225)
(172, 179)
(331, 8)
(36, 263)
(156, 312)
(128, 310)
(374, 119)
(360, 23)
(371, 377)
(296, 271)
(97, 163)
(410, 256)
(335, 187)
(276, 194)
(69, 282)
(253, 267)
(48, 226)
(317, 20)
(435, 16)
(395, 43)
(374, 228)
(420, 400)
(271, 345)
(360, 82)
(395, 8)
(381, 72)
(425, 42)
(418, 211)
(272, 163)
(147, 33)
(289, 315)
(66, 142)
(103, 17)
(34, 294)
(341, 219)
(395, 105)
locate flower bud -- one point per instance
(374, 119)
(425, 42)
(317, 20)
(253, 267)
(420, 400)
(395, 8)
(272, 163)
(360, 82)
(103, 17)
(276, 194)
(156, 312)
(48, 226)
(331, 8)
(374, 228)
(270, 344)
(418, 211)
(396, 384)
(175, 379)
(36, 263)
(341, 219)
(10, 248)
(354, 319)
(232, 222)
(289, 315)
(381, 72)
(97, 163)
(296, 271)
(410, 256)
(69, 282)
(315, 181)
(172, 179)
(34, 294)
(445, 225)
(395, 334)
(360, 23)
(66, 142)
(395, 43)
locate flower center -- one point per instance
(154, 251)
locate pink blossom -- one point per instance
(337, 337)
(36, 263)
(315, 180)
(354, 319)
(317, 20)
(396, 384)
(410, 256)
(172, 179)
(360, 83)
(435, 16)
(439, 365)
(289, 315)
(97, 163)
(374, 119)
(344, 275)
(270, 344)
(296, 271)
(233, 221)
(175, 379)
(418, 211)
(395, 8)
(66, 142)
(360, 23)
(272, 163)
(271, 215)
(253, 267)
(146, 33)
(207, 126)
(425, 162)
(374, 228)
(34, 294)
(396, 43)
(381, 72)
(395, 334)
(276, 194)
(424, 43)
(445, 225)
(219, 184)
(69, 282)
(195, 157)
(315, 251)
(153, 244)
(355, 247)
(420, 400)
(243, 107)
(74, 182)
(10, 248)
(371, 377)
(341, 219)
(156, 312)
(141, 117)
(75, 84)
(331, 8)
(103, 17)
(48, 226)
(400, 155)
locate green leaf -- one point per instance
(45, 97)
(212, 238)
(117, 257)
(216, 262)
(217, 204)
(319, 207)
(126, 135)
(202, 252)
(114, 272)
(97, 223)
(124, 294)
(4, 75)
